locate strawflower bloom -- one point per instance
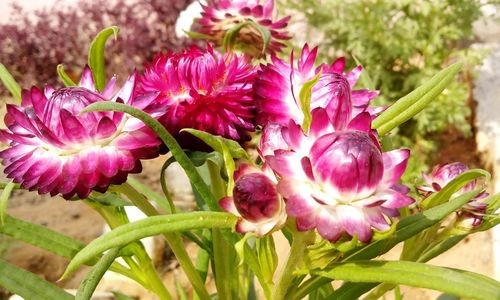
(55, 149)
(471, 214)
(203, 89)
(249, 18)
(278, 86)
(338, 181)
(255, 201)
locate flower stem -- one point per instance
(299, 243)
(173, 239)
(143, 268)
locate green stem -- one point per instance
(174, 240)
(154, 280)
(116, 216)
(300, 241)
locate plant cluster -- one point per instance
(321, 178)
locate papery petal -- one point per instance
(395, 162)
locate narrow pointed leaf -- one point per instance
(3, 185)
(411, 104)
(96, 55)
(305, 101)
(28, 285)
(452, 281)
(264, 33)
(47, 239)
(213, 141)
(128, 233)
(89, 284)
(4, 201)
(64, 77)
(176, 150)
(198, 35)
(10, 83)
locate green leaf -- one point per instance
(170, 142)
(305, 101)
(198, 35)
(411, 104)
(89, 284)
(452, 281)
(128, 233)
(10, 83)
(231, 35)
(365, 79)
(264, 33)
(214, 141)
(161, 201)
(4, 201)
(109, 199)
(28, 285)
(41, 236)
(3, 185)
(230, 166)
(181, 293)
(120, 296)
(96, 55)
(47, 239)
(64, 77)
(454, 186)
(268, 258)
(405, 229)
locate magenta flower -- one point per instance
(471, 214)
(203, 89)
(278, 86)
(338, 181)
(255, 201)
(441, 175)
(55, 149)
(221, 16)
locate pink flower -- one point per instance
(203, 89)
(255, 201)
(55, 149)
(278, 86)
(221, 16)
(441, 175)
(338, 181)
(471, 214)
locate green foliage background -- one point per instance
(401, 44)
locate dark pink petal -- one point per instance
(361, 122)
(87, 80)
(74, 131)
(105, 128)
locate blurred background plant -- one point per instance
(35, 42)
(401, 44)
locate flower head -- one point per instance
(471, 214)
(203, 89)
(55, 149)
(248, 19)
(278, 86)
(339, 182)
(441, 175)
(256, 201)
